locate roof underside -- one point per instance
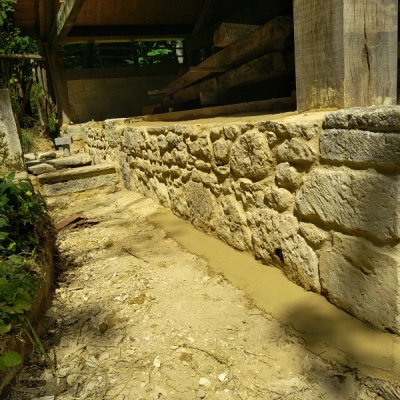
(88, 20)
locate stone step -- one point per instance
(77, 179)
(38, 167)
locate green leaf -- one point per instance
(10, 177)
(21, 305)
(9, 359)
(4, 328)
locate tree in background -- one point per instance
(22, 77)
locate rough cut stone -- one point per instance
(202, 205)
(286, 128)
(315, 236)
(231, 224)
(41, 168)
(356, 201)
(278, 198)
(74, 131)
(377, 118)
(201, 148)
(76, 173)
(287, 176)
(68, 162)
(276, 240)
(296, 151)
(136, 140)
(251, 157)
(222, 149)
(62, 141)
(78, 185)
(48, 155)
(162, 142)
(363, 279)
(363, 148)
(231, 132)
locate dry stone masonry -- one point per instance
(318, 198)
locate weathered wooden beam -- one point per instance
(271, 105)
(229, 33)
(66, 16)
(346, 53)
(208, 69)
(270, 37)
(257, 70)
(23, 56)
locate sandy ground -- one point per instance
(136, 316)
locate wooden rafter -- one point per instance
(65, 19)
(202, 16)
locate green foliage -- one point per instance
(105, 55)
(21, 212)
(5, 9)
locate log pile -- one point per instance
(251, 55)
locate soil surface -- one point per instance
(136, 316)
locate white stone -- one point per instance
(205, 382)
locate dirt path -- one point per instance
(137, 316)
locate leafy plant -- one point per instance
(21, 212)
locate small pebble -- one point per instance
(201, 394)
(204, 382)
(157, 363)
(222, 377)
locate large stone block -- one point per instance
(361, 148)
(231, 224)
(276, 239)
(363, 279)
(251, 157)
(201, 204)
(297, 151)
(360, 202)
(377, 118)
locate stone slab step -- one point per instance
(77, 179)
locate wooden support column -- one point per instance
(66, 112)
(346, 53)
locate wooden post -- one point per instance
(346, 53)
(65, 110)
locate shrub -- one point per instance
(22, 216)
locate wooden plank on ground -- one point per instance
(269, 38)
(229, 33)
(263, 106)
(257, 70)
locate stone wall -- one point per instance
(10, 146)
(318, 198)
